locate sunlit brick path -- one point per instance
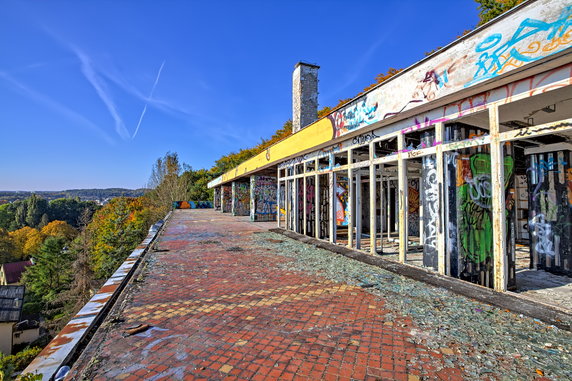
(220, 307)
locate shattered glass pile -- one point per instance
(484, 341)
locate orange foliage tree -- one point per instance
(116, 229)
(59, 229)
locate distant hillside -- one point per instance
(99, 195)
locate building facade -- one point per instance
(448, 164)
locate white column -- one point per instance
(372, 202)
(498, 202)
(402, 195)
(351, 200)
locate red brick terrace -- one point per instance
(219, 306)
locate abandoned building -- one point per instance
(451, 164)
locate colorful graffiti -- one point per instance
(533, 40)
(342, 204)
(216, 198)
(226, 198)
(263, 203)
(358, 114)
(474, 193)
(192, 205)
(413, 207)
(240, 199)
(538, 30)
(550, 210)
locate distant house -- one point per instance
(26, 332)
(10, 273)
(11, 300)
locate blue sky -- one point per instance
(93, 92)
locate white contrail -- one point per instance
(90, 74)
(150, 96)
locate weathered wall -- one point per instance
(263, 198)
(240, 199)
(226, 198)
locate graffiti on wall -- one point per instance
(264, 198)
(474, 194)
(240, 199)
(226, 198)
(550, 211)
(430, 211)
(342, 202)
(356, 115)
(532, 40)
(192, 205)
(216, 198)
(536, 31)
(413, 207)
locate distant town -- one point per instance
(100, 196)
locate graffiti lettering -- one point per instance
(358, 114)
(527, 131)
(543, 233)
(496, 57)
(480, 190)
(365, 138)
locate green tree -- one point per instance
(36, 207)
(83, 282)
(51, 273)
(70, 210)
(7, 215)
(19, 216)
(489, 9)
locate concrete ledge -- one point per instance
(510, 301)
(72, 338)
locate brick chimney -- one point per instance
(304, 95)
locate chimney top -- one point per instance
(306, 64)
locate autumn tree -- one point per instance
(19, 238)
(33, 242)
(116, 229)
(60, 229)
(165, 181)
(6, 247)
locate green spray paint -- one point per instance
(475, 220)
